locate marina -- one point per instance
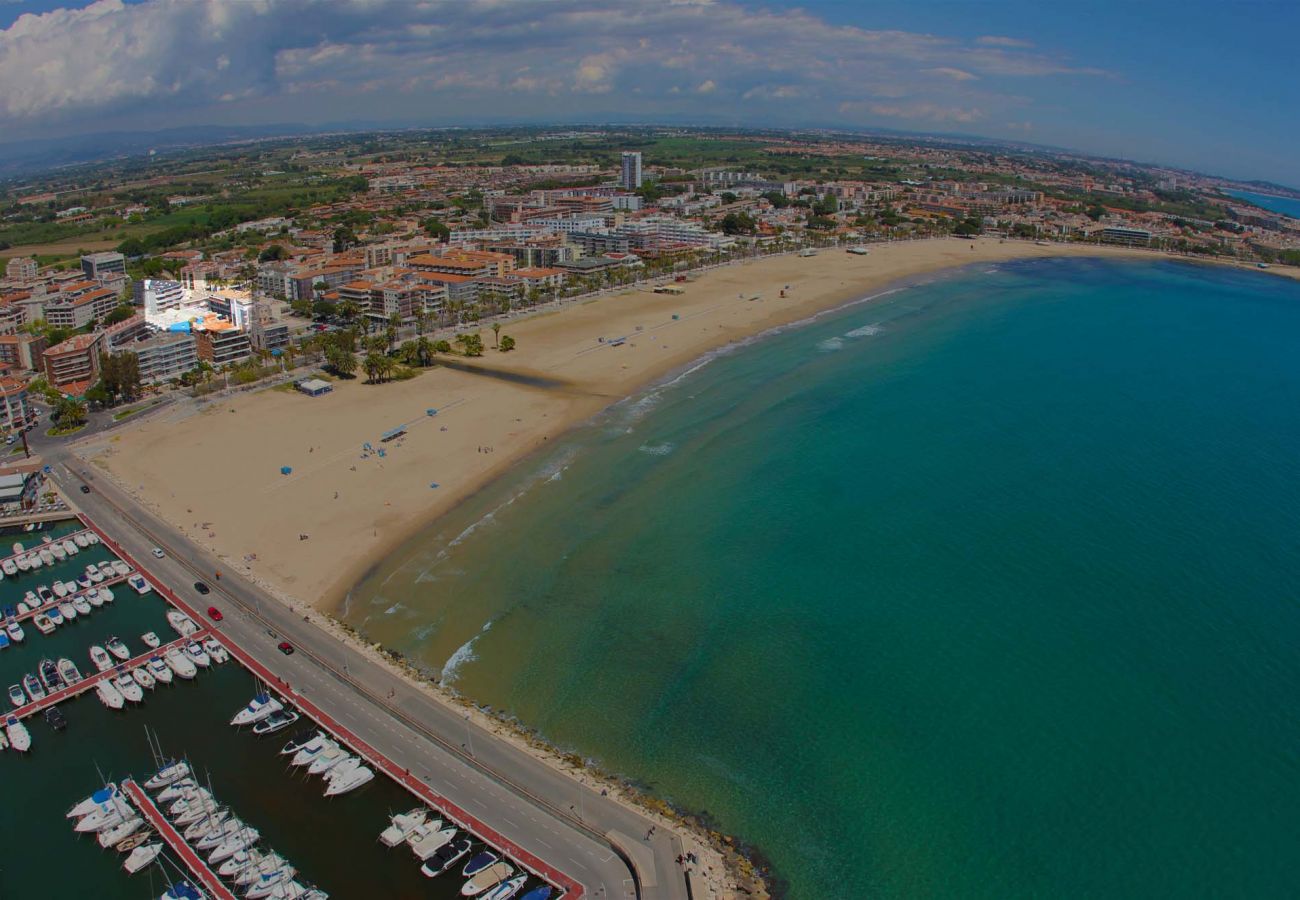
(239, 757)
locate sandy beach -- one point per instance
(215, 471)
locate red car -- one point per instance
(285, 647)
(215, 614)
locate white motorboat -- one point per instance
(197, 654)
(151, 640)
(43, 623)
(180, 663)
(342, 782)
(301, 742)
(50, 676)
(130, 690)
(402, 826)
(215, 650)
(83, 581)
(94, 574)
(68, 671)
(67, 610)
(81, 605)
(142, 856)
(43, 594)
(487, 879)
(506, 889)
(47, 558)
(80, 540)
(447, 857)
(23, 608)
(59, 590)
(111, 837)
(34, 560)
(22, 565)
(276, 721)
(327, 759)
(159, 670)
(312, 749)
(117, 648)
(93, 598)
(99, 656)
(427, 840)
(176, 790)
(144, 677)
(18, 549)
(109, 695)
(120, 567)
(93, 802)
(106, 815)
(105, 594)
(257, 709)
(242, 840)
(106, 569)
(219, 834)
(19, 737)
(92, 537)
(70, 547)
(207, 824)
(138, 584)
(15, 631)
(9, 567)
(173, 771)
(32, 685)
(59, 553)
(16, 696)
(181, 623)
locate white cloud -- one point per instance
(179, 58)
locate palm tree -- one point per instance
(496, 333)
(374, 365)
(424, 351)
(421, 321)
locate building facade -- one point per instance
(630, 173)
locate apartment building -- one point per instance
(21, 269)
(97, 266)
(75, 362)
(22, 351)
(157, 296)
(222, 347)
(165, 356)
(629, 176)
(15, 412)
(77, 310)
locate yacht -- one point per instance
(34, 560)
(151, 640)
(81, 605)
(182, 890)
(70, 547)
(43, 594)
(181, 623)
(487, 879)
(219, 834)
(446, 857)
(83, 581)
(60, 590)
(106, 815)
(130, 689)
(32, 601)
(117, 648)
(109, 695)
(173, 771)
(9, 567)
(22, 565)
(250, 865)
(99, 656)
(195, 652)
(47, 558)
(242, 840)
(507, 889)
(196, 799)
(329, 757)
(120, 567)
(16, 696)
(402, 826)
(93, 598)
(257, 709)
(138, 584)
(93, 802)
(43, 623)
(50, 676)
(54, 718)
(59, 553)
(428, 840)
(106, 569)
(111, 837)
(195, 812)
(206, 825)
(144, 677)
(176, 790)
(18, 549)
(32, 685)
(19, 737)
(15, 631)
(94, 574)
(92, 537)
(215, 649)
(276, 721)
(478, 862)
(105, 594)
(80, 540)
(302, 741)
(312, 749)
(269, 882)
(142, 856)
(159, 669)
(67, 610)
(23, 608)
(180, 663)
(68, 671)
(349, 781)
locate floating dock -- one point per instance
(197, 865)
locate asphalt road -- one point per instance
(531, 803)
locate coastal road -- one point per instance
(538, 807)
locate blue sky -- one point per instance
(1202, 85)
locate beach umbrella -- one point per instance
(430, 412)
(285, 470)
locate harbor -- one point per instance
(236, 747)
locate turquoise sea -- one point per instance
(984, 588)
(1288, 206)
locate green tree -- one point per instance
(340, 361)
(496, 333)
(441, 347)
(507, 343)
(344, 237)
(738, 223)
(273, 253)
(471, 343)
(436, 228)
(70, 412)
(423, 351)
(119, 314)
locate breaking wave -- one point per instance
(464, 654)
